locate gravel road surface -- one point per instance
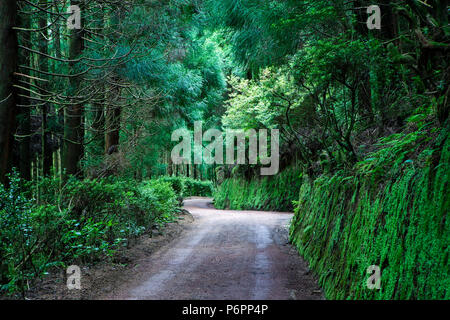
(225, 255)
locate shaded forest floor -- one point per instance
(102, 278)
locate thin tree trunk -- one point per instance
(113, 111)
(24, 123)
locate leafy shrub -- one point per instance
(188, 187)
(269, 193)
(81, 222)
(177, 184)
(161, 199)
(16, 234)
(197, 188)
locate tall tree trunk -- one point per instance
(59, 110)
(24, 117)
(169, 165)
(112, 134)
(389, 29)
(113, 113)
(8, 65)
(98, 125)
(44, 66)
(73, 117)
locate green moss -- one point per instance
(397, 220)
(270, 193)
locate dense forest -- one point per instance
(92, 90)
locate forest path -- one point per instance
(226, 255)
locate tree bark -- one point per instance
(8, 65)
(24, 117)
(113, 112)
(113, 129)
(73, 117)
(59, 110)
(98, 125)
(44, 66)
(169, 165)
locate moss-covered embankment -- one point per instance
(269, 193)
(393, 212)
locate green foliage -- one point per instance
(176, 183)
(256, 104)
(16, 233)
(358, 113)
(261, 33)
(399, 221)
(159, 198)
(188, 187)
(331, 86)
(269, 193)
(83, 222)
(197, 188)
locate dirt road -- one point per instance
(224, 255)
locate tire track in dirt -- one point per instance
(225, 255)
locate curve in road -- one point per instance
(226, 255)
